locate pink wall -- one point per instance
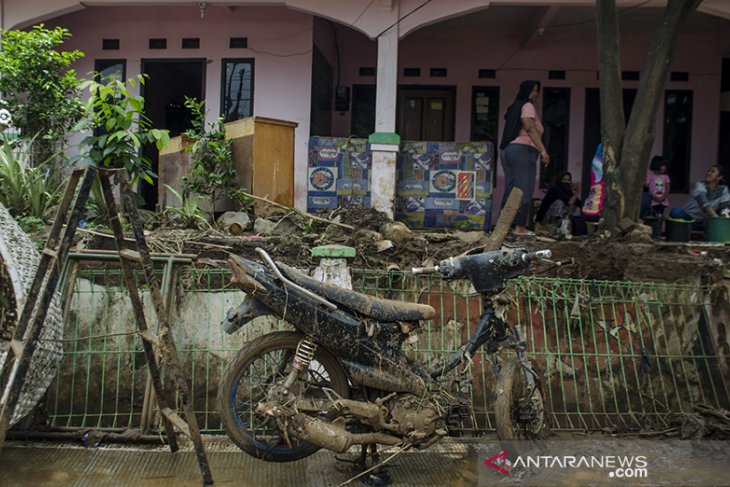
(280, 41)
(464, 53)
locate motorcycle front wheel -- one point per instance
(519, 407)
(247, 378)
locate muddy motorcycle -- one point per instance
(343, 377)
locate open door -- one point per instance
(169, 82)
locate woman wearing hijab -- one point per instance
(521, 148)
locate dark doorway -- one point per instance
(556, 120)
(678, 137)
(592, 133)
(485, 113)
(723, 151)
(169, 82)
(320, 120)
(426, 113)
(363, 110)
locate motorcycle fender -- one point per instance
(240, 277)
(249, 309)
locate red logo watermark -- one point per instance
(620, 466)
(497, 461)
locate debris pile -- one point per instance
(382, 243)
(706, 422)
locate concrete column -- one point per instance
(385, 143)
(384, 148)
(386, 90)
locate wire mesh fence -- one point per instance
(622, 355)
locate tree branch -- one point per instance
(299, 212)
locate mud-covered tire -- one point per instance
(243, 385)
(517, 417)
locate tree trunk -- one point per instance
(612, 112)
(626, 150)
(641, 129)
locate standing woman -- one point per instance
(521, 148)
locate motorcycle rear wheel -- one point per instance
(519, 408)
(249, 375)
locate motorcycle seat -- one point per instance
(376, 308)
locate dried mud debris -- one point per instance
(381, 243)
(705, 422)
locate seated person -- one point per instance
(709, 198)
(561, 207)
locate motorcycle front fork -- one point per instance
(492, 332)
(520, 348)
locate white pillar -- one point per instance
(385, 143)
(386, 90)
(383, 172)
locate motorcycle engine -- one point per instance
(416, 417)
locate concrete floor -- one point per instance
(40, 464)
(451, 463)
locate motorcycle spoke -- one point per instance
(255, 407)
(254, 383)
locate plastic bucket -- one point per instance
(677, 230)
(717, 229)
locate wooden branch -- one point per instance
(504, 222)
(299, 212)
(208, 244)
(100, 234)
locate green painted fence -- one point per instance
(620, 355)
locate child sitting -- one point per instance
(656, 200)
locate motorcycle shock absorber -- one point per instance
(302, 358)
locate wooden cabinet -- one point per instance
(263, 155)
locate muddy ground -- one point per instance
(382, 244)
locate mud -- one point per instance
(449, 463)
(587, 258)
(591, 257)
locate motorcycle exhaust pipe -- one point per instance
(332, 437)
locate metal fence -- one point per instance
(618, 355)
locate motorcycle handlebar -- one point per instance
(444, 268)
(424, 270)
(539, 255)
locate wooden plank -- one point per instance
(129, 254)
(504, 222)
(17, 347)
(147, 336)
(50, 252)
(176, 420)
